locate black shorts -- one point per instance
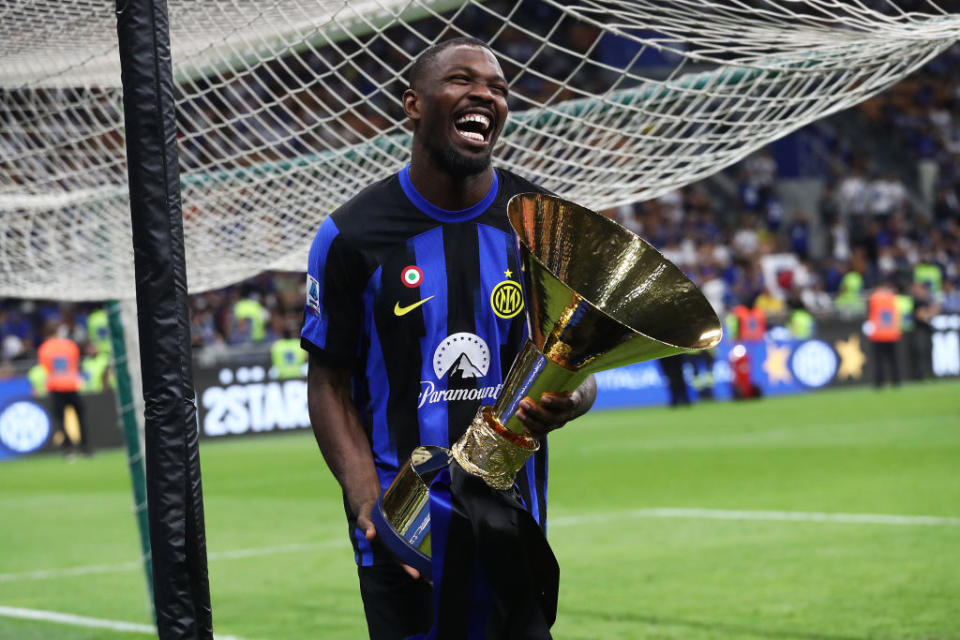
(396, 605)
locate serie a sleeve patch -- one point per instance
(313, 294)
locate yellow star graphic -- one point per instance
(851, 358)
(508, 273)
(776, 365)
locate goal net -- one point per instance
(286, 108)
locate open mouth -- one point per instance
(475, 127)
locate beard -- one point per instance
(460, 165)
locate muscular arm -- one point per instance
(343, 443)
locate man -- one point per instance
(60, 358)
(401, 323)
(884, 331)
(925, 309)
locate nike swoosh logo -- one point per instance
(402, 311)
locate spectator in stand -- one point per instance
(746, 240)
(886, 196)
(951, 297)
(799, 232)
(672, 206)
(832, 275)
(746, 280)
(202, 324)
(715, 290)
(947, 205)
(769, 303)
(17, 328)
(761, 169)
(853, 198)
(840, 241)
(625, 216)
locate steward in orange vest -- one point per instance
(883, 329)
(60, 357)
(884, 316)
(751, 323)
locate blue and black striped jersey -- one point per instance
(425, 306)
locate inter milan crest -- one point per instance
(507, 297)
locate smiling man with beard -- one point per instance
(413, 315)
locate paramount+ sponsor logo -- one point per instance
(459, 359)
(246, 401)
(430, 394)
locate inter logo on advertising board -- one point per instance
(507, 299)
(24, 427)
(814, 363)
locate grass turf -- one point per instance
(281, 566)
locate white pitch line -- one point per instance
(43, 574)
(84, 621)
(46, 574)
(763, 516)
(77, 621)
(559, 521)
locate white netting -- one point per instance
(287, 107)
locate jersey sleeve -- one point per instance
(333, 309)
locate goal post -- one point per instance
(181, 592)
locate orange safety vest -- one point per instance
(752, 323)
(884, 316)
(61, 358)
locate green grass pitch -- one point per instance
(697, 523)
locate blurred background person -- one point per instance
(883, 330)
(60, 358)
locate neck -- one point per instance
(445, 190)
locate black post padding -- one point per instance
(174, 494)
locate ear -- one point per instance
(411, 104)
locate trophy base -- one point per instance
(492, 452)
(401, 514)
(401, 547)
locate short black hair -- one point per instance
(424, 59)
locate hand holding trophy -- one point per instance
(597, 297)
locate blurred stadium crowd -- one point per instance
(889, 209)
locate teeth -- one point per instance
(471, 135)
(475, 117)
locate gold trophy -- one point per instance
(597, 297)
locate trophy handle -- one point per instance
(401, 514)
(531, 375)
